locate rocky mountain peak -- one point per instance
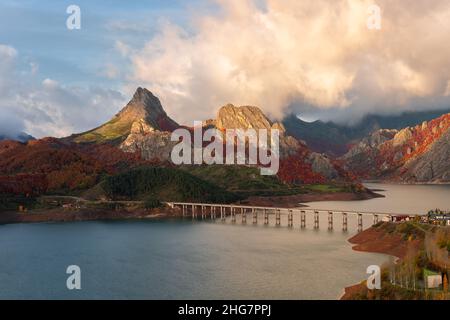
(146, 106)
(144, 114)
(244, 117)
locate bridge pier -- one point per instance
(213, 213)
(344, 222)
(290, 219)
(375, 219)
(233, 215)
(266, 217)
(360, 222)
(303, 219)
(194, 216)
(222, 215)
(255, 216)
(330, 220)
(244, 215)
(278, 217)
(316, 220)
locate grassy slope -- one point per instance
(248, 181)
(109, 132)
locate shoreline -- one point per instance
(93, 214)
(372, 240)
(401, 183)
(296, 201)
(61, 215)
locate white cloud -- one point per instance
(48, 108)
(299, 53)
(7, 52)
(123, 49)
(50, 84)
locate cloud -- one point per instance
(297, 55)
(10, 124)
(48, 108)
(123, 49)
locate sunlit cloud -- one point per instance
(286, 55)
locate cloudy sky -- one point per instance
(315, 58)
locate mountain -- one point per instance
(144, 111)
(21, 137)
(250, 117)
(417, 154)
(335, 139)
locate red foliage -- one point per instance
(422, 138)
(296, 170)
(389, 158)
(51, 164)
(27, 184)
(343, 173)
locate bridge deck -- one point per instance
(299, 209)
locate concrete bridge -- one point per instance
(235, 211)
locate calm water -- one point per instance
(405, 199)
(185, 260)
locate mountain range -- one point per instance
(417, 154)
(21, 137)
(336, 139)
(139, 135)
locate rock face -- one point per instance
(247, 117)
(146, 107)
(432, 166)
(413, 154)
(371, 143)
(321, 164)
(402, 137)
(153, 144)
(150, 129)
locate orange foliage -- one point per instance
(390, 157)
(50, 165)
(296, 170)
(27, 184)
